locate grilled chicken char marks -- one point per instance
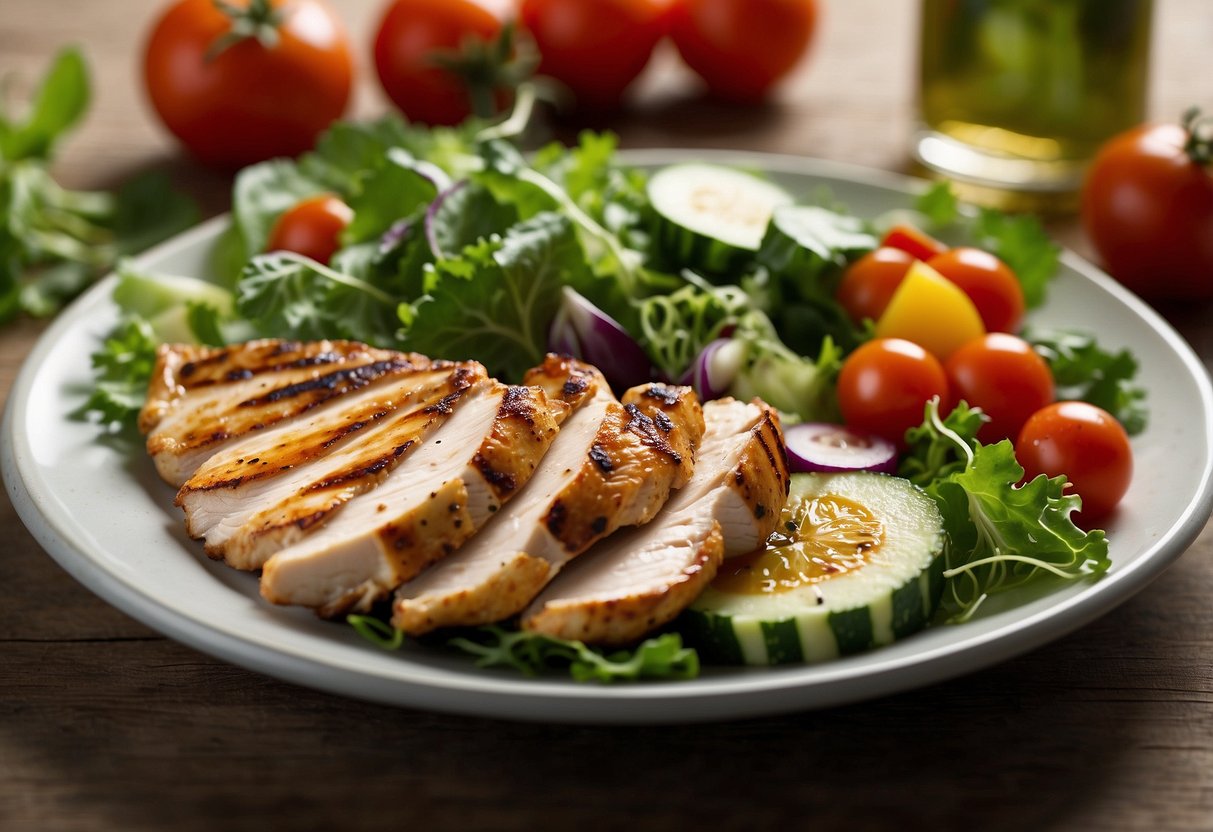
(613, 464)
(202, 398)
(322, 430)
(251, 523)
(425, 509)
(642, 578)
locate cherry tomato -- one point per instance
(595, 47)
(917, 243)
(1005, 377)
(742, 48)
(232, 104)
(885, 384)
(1087, 445)
(1147, 206)
(311, 227)
(988, 282)
(409, 36)
(869, 282)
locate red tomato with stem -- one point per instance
(235, 100)
(885, 384)
(412, 33)
(869, 282)
(312, 227)
(989, 283)
(1087, 445)
(1005, 377)
(1147, 206)
(742, 48)
(909, 239)
(595, 47)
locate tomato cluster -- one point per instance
(945, 321)
(245, 80)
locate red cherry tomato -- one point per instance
(1005, 377)
(595, 47)
(742, 48)
(869, 282)
(311, 227)
(235, 104)
(1147, 206)
(917, 243)
(409, 36)
(885, 384)
(1087, 445)
(988, 282)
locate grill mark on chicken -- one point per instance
(664, 393)
(601, 458)
(368, 470)
(644, 427)
(336, 382)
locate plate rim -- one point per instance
(760, 692)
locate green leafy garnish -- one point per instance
(54, 242)
(495, 302)
(122, 368)
(660, 657)
(1002, 535)
(1084, 371)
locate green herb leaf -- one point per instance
(932, 454)
(148, 210)
(938, 204)
(1084, 371)
(283, 292)
(123, 366)
(398, 188)
(60, 101)
(661, 657)
(1021, 242)
(497, 300)
(1002, 535)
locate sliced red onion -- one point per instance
(396, 234)
(584, 331)
(818, 446)
(712, 372)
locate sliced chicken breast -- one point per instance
(202, 398)
(425, 508)
(641, 578)
(245, 524)
(613, 464)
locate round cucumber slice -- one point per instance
(856, 563)
(711, 218)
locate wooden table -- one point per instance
(105, 724)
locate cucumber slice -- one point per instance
(856, 563)
(711, 218)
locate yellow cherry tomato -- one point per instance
(931, 311)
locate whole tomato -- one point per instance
(234, 98)
(1147, 206)
(742, 48)
(595, 47)
(414, 36)
(884, 386)
(311, 227)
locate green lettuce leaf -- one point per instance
(1085, 371)
(496, 301)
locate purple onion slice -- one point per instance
(712, 372)
(584, 331)
(819, 446)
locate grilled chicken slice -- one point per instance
(613, 464)
(425, 508)
(641, 578)
(245, 522)
(201, 398)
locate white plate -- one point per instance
(98, 508)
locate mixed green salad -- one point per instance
(460, 246)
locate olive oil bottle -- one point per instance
(1017, 95)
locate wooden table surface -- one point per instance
(104, 724)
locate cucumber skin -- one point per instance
(714, 636)
(676, 246)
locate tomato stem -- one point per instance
(259, 20)
(485, 68)
(1199, 128)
